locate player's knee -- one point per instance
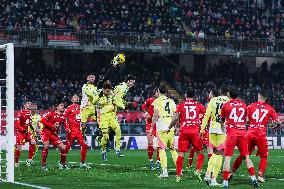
(181, 154)
(199, 152)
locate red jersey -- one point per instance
(235, 113)
(190, 113)
(72, 117)
(147, 106)
(23, 121)
(50, 118)
(258, 114)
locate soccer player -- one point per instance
(23, 122)
(216, 135)
(234, 113)
(51, 122)
(89, 91)
(107, 105)
(72, 128)
(205, 137)
(189, 112)
(148, 108)
(121, 89)
(36, 126)
(258, 114)
(164, 109)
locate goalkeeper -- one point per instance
(89, 91)
(107, 105)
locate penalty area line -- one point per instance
(30, 185)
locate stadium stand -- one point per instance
(223, 18)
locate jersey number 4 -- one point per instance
(167, 108)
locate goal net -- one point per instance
(7, 137)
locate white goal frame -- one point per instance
(10, 138)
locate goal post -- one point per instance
(10, 138)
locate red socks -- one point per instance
(199, 163)
(262, 165)
(191, 156)
(158, 155)
(226, 175)
(17, 155)
(179, 163)
(44, 154)
(251, 171)
(150, 152)
(62, 157)
(237, 163)
(32, 148)
(84, 150)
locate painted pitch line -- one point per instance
(30, 185)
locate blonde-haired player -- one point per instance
(107, 105)
(87, 109)
(216, 135)
(164, 109)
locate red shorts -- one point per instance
(232, 141)
(47, 136)
(189, 138)
(22, 138)
(260, 142)
(148, 127)
(75, 136)
(205, 139)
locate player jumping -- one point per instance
(72, 128)
(189, 113)
(234, 113)
(258, 114)
(87, 109)
(148, 108)
(51, 122)
(164, 109)
(23, 122)
(107, 105)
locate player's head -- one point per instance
(213, 93)
(163, 90)
(107, 88)
(156, 93)
(224, 90)
(233, 92)
(28, 105)
(189, 93)
(34, 106)
(262, 96)
(91, 78)
(60, 107)
(75, 99)
(130, 79)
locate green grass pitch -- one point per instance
(131, 171)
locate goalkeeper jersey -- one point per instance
(35, 123)
(166, 108)
(213, 112)
(121, 89)
(88, 93)
(107, 104)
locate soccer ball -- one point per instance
(118, 59)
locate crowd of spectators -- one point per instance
(223, 18)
